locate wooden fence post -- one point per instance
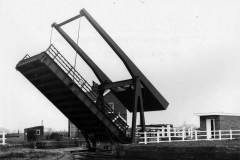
(169, 133)
(183, 134)
(188, 132)
(231, 134)
(3, 138)
(158, 136)
(220, 135)
(145, 137)
(174, 130)
(163, 131)
(196, 138)
(191, 133)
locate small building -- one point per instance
(73, 131)
(113, 102)
(155, 127)
(116, 105)
(34, 133)
(211, 122)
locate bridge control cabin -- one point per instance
(34, 133)
(211, 122)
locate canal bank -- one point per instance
(198, 150)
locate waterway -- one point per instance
(96, 156)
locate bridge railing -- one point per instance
(84, 85)
(3, 138)
(174, 135)
(71, 71)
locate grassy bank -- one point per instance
(199, 150)
(7, 153)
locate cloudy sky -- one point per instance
(188, 49)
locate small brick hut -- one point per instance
(219, 121)
(213, 123)
(34, 133)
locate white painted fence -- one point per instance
(2, 138)
(173, 135)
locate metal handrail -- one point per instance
(26, 56)
(69, 69)
(84, 85)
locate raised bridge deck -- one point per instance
(57, 79)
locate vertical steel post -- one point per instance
(134, 120)
(138, 102)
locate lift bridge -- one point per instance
(63, 85)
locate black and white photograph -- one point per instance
(120, 80)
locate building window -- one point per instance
(38, 132)
(111, 104)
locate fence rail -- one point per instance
(173, 135)
(3, 138)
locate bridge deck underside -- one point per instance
(54, 83)
(149, 102)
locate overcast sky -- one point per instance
(188, 49)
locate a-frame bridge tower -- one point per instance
(58, 80)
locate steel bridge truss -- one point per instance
(136, 94)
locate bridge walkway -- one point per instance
(58, 80)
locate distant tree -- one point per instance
(56, 136)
